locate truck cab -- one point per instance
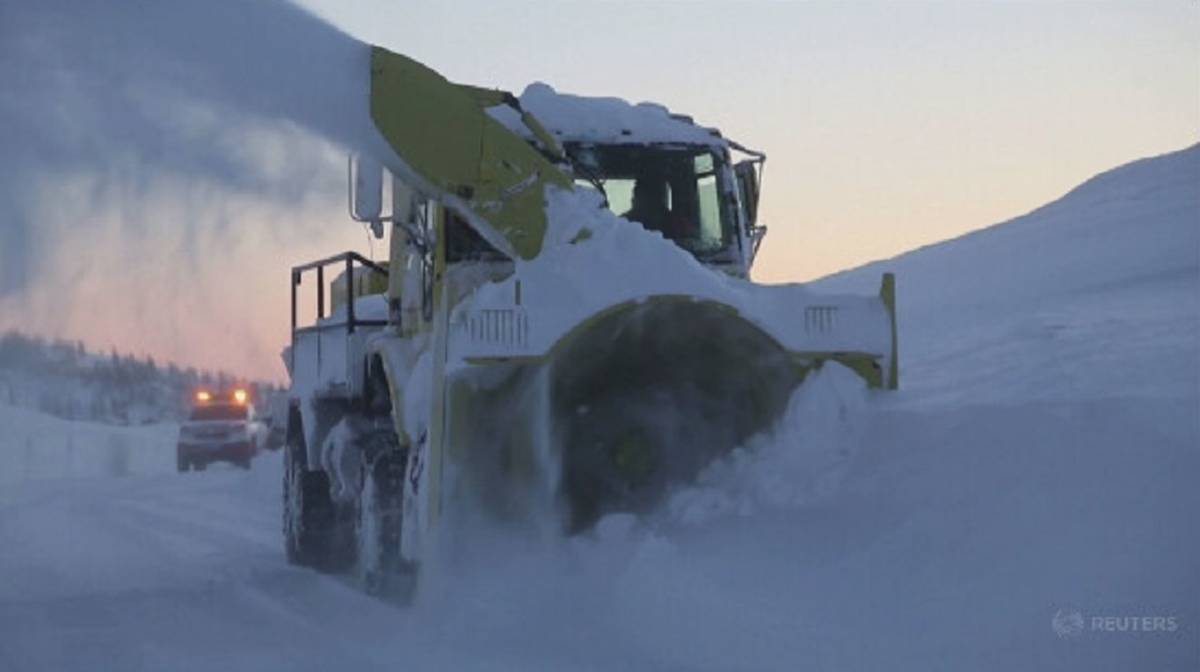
(688, 193)
(686, 181)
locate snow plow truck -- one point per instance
(564, 327)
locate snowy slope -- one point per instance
(1093, 295)
(1138, 222)
(38, 446)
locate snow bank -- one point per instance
(1094, 295)
(798, 463)
(37, 446)
(1134, 223)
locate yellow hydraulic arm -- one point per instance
(475, 166)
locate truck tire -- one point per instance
(308, 512)
(381, 569)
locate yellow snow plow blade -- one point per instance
(459, 154)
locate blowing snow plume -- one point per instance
(159, 158)
(630, 407)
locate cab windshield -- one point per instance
(669, 189)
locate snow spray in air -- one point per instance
(159, 156)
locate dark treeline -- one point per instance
(64, 379)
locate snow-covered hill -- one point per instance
(1139, 222)
(1094, 295)
(1025, 501)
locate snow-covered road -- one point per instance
(177, 572)
(953, 541)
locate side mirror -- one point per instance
(366, 189)
(747, 179)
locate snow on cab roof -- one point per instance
(572, 118)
